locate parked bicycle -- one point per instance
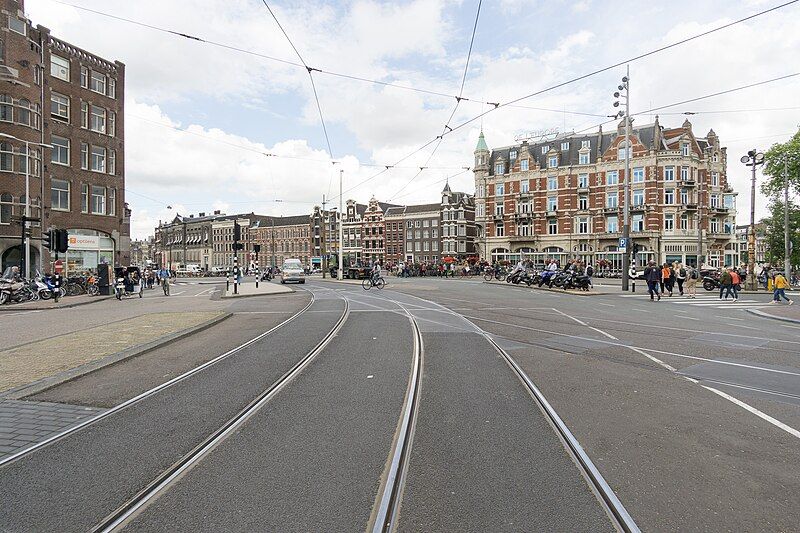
(491, 273)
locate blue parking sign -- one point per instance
(623, 244)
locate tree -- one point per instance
(774, 228)
(774, 167)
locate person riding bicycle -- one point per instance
(376, 272)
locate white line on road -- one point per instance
(608, 305)
(777, 423)
(177, 293)
(582, 323)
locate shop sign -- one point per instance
(84, 242)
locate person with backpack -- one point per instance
(726, 284)
(652, 275)
(680, 276)
(692, 277)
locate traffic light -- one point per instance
(256, 248)
(237, 232)
(49, 239)
(62, 241)
(238, 246)
(635, 248)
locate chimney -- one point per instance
(191, 216)
(202, 215)
(217, 212)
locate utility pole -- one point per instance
(322, 262)
(787, 244)
(273, 244)
(340, 270)
(626, 225)
(699, 227)
(752, 160)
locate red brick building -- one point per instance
(562, 198)
(68, 105)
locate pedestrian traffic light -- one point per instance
(62, 241)
(256, 248)
(635, 248)
(49, 239)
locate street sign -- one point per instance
(58, 266)
(623, 244)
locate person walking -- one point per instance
(666, 279)
(725, 284)
(692, 276)
(780, 285)
(735, 283)
(652, 275)
(680, 276)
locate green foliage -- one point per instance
(774, 167)
(774, 227)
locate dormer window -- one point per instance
(583, 159)
(523, 165)
(545, 149)
(552, 161)
(623, 152)
(585, 144)
(512, 154)
(564, 146)
(499, 168)
(684, 149)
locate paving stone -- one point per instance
(7, 449)
(26, 439)
(6, 442)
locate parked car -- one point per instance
(292, 270)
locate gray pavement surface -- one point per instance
(312, 459)
(134, 445)
(24, 423)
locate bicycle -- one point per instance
(368, 283)
(499, 274)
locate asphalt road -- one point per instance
(689, 409)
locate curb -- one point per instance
(226, 296)
(11, 308)
(546, 289)
(49, 382)
(773, 317)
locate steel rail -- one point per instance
(391, 491)
(119, 518)
(613, 506)
(154, 390)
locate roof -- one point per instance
(292, 220)
(422, 208)
(481, 143)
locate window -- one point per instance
(612, 177)
(23, 160)
(585, 144)
(583, 181)
(499, 168)
(715, 158)
(622, 151)
(669, 173)
(24, 112)
(6, 206)
(112, 123)
(684, 173)
(714, 200)
(545, 149)
(112, 162)
(552, 183)
(684, 148)
(418, 234)
(84, 156)
(714, 179)
(59, 106)
(6, 108)
(84, 198)
(523, 186)
(524, 207)
(409, 234)
(98, 119)
(112, 87)
(84, 114)
(85, 77)
(59, 67)
(98, 159)
(499, 230)
(523, 165)
(583, 224)
(434, 222)
(714, 225)
(434, 234)
(512, 154)
(552, 203)
(583, 202)
(426, 223)
(499, 210)
(479, 210)
(98, 82)
(17, 25)
(612, 224)
(638, 223)
(583, 159)
(638, 197)
(611, 199)
(638, 175)
(669, 222)
(564, 146)
(417, 246)
(500, 189)
(669, 196)
(59, 194)
(684, 222)
(6, 157)
(552, 227)
(730, 201)
(426, 246)
(60, 152)
(553, 161)
(684, 197)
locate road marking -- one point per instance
(582, 323)
(659, 361)
(609, 305)
(777, 423)
(177, 293)
(681, 316)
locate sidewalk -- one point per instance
(66, 302)
(265, 288)
(782, 312)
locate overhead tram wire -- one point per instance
(496, 106)
(265, 56)
(458, 102)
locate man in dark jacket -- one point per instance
(652, 275)
(726, 284)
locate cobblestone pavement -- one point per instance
(24, 423)
(36, 360)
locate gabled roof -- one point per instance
(422, 208)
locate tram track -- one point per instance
(154, 390)
(117, 519)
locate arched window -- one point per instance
(21, 205)
(24, 113)
(6, 109)
(6, 157)
(6, 201)
(23, 159)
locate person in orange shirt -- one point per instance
(736, 280)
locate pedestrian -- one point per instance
(692, 276)
(666, 279)
(725, 284)
(780, 285)
(680, 276)
(735, 283)
(652, 275)
(589, 274)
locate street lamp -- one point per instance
(752, 160)
(26, 240)
(624, 92)
(787, 244)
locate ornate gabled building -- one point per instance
(562, 198)
(458, 224)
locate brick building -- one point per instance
(394, 222)
(68, 105)
(562, 198)
(458, 224)
(283, 238)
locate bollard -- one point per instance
(633, 285)
(227, 280)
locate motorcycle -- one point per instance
(14, 291)
(516, 277)
(710, 283)
(546, 278)
(41, 289)
(267, 275)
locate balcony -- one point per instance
(638, 207)
(583, 189)
(719, 210)
(552, 212)
(497, 216)
(692, 206)
(612, 210)
(689, 183)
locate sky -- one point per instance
(201, 119)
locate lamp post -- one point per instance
(787, 244)
(340, 270)
(752, 160)
(624, 92)
(26, 239)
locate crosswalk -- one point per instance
(710, 300)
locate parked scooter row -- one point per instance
(16, 291)
(551, 278)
